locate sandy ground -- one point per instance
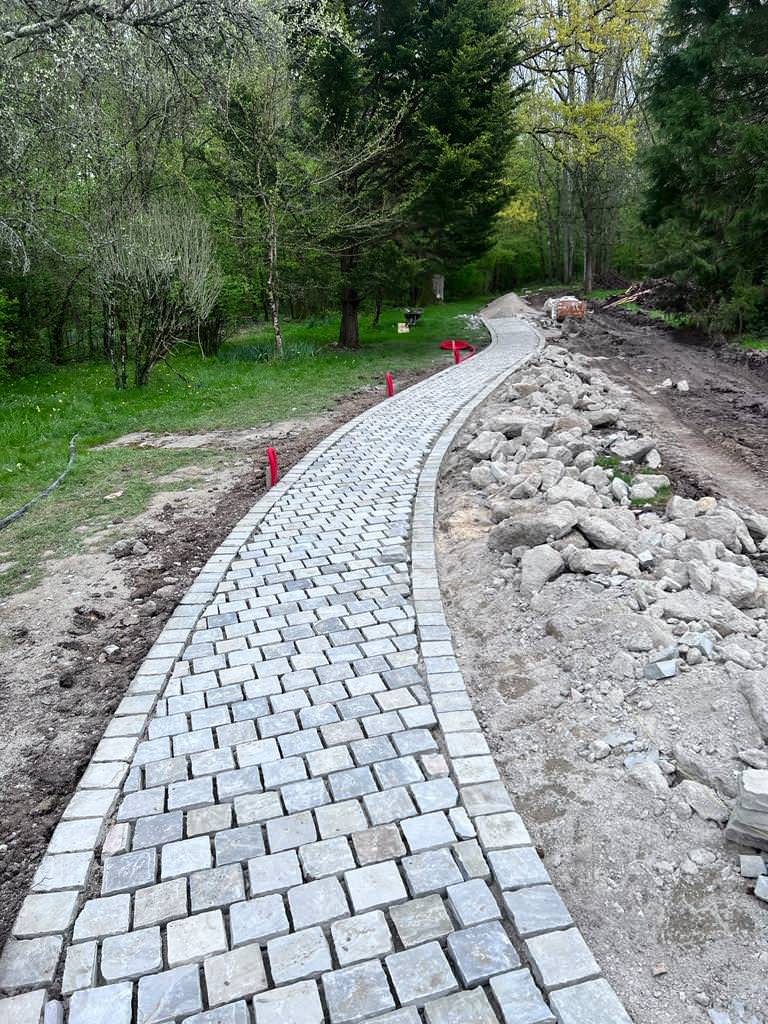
(655, 889)
(70, 646)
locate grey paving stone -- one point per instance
(217, 887)
(399, 771)
(486, 798)
(472, 902)
(432, 871)
(235, 975)
(160, 903)
(384, 842)
(158, 829)
(256, 807)
(592, 1002)
(232, 1013)
(276, 872)
(374, 886)
(291, 831)
(409, 1015)
(235, 783)
(561, 958)
(168, 996)
(428, 831)
(435, 795)
(279, 773)
(195, 938)
(194, 793)
(26, 1008)
(340, 819)
(362, 937)
(131, 955)
(301, 955)
(500, 831)
(258, 920)
(29, 963)
(318, 902)
(238, 844)
(302, 796)
(378, 748)
(129, 871)
(536, 909)
(420, 974)
(482, 951)
(184, 857)
(421, 920)
(45, 914)
(72, 836)
(329, 759)
(391, 805)
(79, 967)
(326, 857)
(470, 859)
(109, 1004)
(351, 783)
(461, 1008)
(519, 999)
(292, 1004)
(108, 915)
(513, 869)
(214, 818)
(354, 993)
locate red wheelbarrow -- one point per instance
(457, 346)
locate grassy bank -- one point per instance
(240, 387)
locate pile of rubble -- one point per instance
(571, 490)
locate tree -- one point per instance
(583, 61)
(159, 278)
(708, 166)
(440, 68)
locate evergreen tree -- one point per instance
(708, 194)
(438, 72)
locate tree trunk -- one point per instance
(349, 330)
(589, 255)
(274, 301)
(377, 314)
(121, 355)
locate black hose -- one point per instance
(48, 490)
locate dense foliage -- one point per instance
(708, 166)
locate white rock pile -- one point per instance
(570, 489)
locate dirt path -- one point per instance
(70, 646)
(715, 435)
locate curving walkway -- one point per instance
(293, 817)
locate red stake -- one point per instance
(274, 469)
(390, 386)
(456, 353)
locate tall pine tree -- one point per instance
(708, 195)
(438, 71)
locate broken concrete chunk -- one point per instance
(484, 444)
(649, 776)
(572, 490)
(754, 690)
(716, 611)
(602, 534)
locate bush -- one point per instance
(8, 310)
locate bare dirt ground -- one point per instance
(655, 888)
(715, 436)
(70, 646)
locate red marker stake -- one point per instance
(274, 469)
(456, 354)
(390, 386)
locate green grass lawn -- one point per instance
(237, 388)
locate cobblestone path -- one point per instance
(293, 817)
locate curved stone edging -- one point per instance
(309, 623)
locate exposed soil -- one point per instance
(715, 435)
(70, 646)
(654, 888)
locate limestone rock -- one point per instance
(649, 776)
(531, 529)
(483, 445)
(723, 525)
(572, 490)
(604, 560)
(754, 689)
(539, 565)
(704, 801)
(634, 449)
(602, 534)
(738, 584)
(719, 613)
